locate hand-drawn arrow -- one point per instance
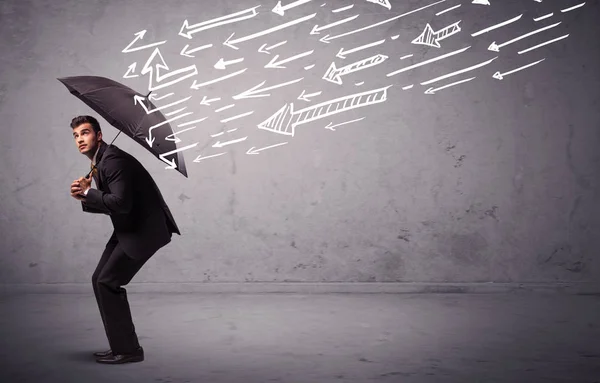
(304, 97)
(256, 151)
(330, 126)
(252, 92)
(317, 30)
(222, 64)
(154, 96)
(130, 69)
(171, 163)
(206, 101)
(432, 90)
(280, 10)
(383, 3)
(150, 139)
(139, 36)
(163, 65)
(285, 120)
(219, 144)
(187, 53)
(199, 85)
(277, 64)
(266, 50)
(496, 47)
(231, 43)
(327, 38)
(228, 19)
(342, 53)
(500, 76)
(334, 75)
(139, 99)
(431, 38)
(200, 158)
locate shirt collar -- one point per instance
(95, 154)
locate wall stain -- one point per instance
(404, 236)
(581, 180)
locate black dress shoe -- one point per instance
(101, 354)
(136, 356)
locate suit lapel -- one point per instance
(101, 150)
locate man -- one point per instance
(142, 224)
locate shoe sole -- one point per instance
(129, 360)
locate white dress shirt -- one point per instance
(94, 163)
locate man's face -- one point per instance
(85, 138)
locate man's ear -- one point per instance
(99, 136)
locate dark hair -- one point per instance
(75, 122)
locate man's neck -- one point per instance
(96, 153)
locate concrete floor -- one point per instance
(315, 338)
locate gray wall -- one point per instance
(486, 180)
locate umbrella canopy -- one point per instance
(115, 102)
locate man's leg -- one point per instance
(117, 272)
(110, 246)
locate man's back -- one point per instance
(127, 192)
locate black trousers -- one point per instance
(115, 270)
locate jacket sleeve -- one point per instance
(119, 178)
(88, 209)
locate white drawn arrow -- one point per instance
(277, 64)
(231, 43)
(334, 74)
(432, 90)
(139, 36)
(256, 151)
(383, 3)
(130, 69)
(200, 158)
(137, 98)
(150, 139)
(280, 10)
(500, 76)
(171, 163)
(227, 19)
(222, 64)
(198, 86)
(327, 38)
(496, 47)
(266, 50)
(285, 120)
(173, 137)
(252, 92)
(304, 97)
(497, 25)
(188, 53)
(459, 71)
(317, 30)
(330, 126)
(431, 38)
(163, 65)
(155, 97)
(219, 144)
(342, 53)
(206, 101)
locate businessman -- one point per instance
(142, 225)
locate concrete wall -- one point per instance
(486, 180)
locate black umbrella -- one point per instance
(116, 104)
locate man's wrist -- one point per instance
(86, 191)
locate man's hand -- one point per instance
(78, 187)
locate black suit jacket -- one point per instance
(127, 193)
